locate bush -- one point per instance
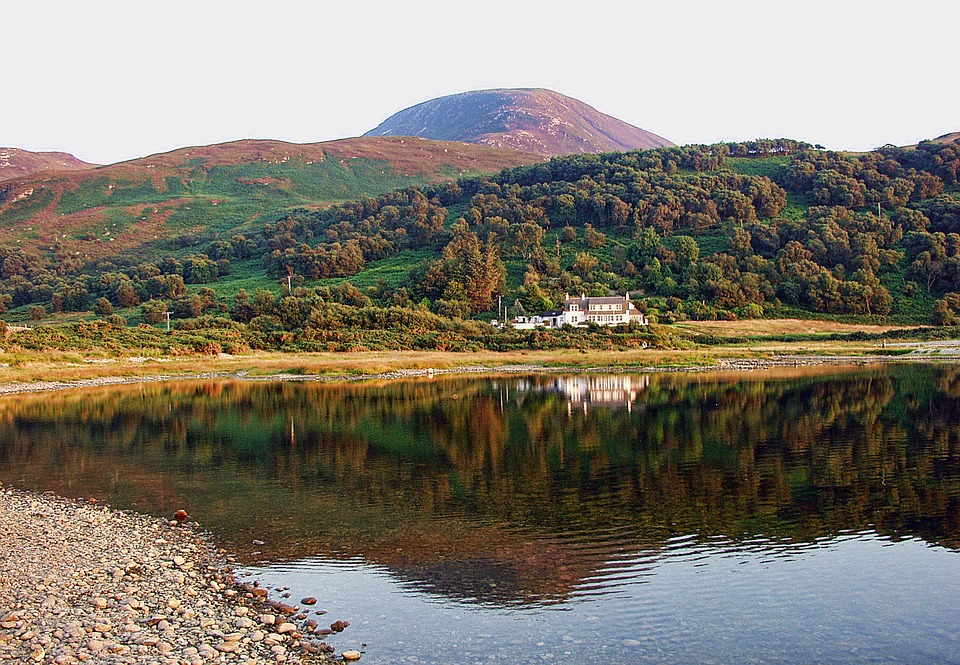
(750, 311)
(103, 307)
(153, 311)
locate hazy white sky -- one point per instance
(109, 81)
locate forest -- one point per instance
(764, 228)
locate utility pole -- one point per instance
(167, 314)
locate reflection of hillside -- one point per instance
(495, 489)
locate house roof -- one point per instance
(605, 300)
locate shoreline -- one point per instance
(721, 364)
(87, 583)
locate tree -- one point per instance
(475, 266)
(945, 310)
(103, 307)
(126, 294)
(527, 237)
(584, 264)
(199, 269)
(593, 238)
(243, 310)
(153, 311)
(687, 249)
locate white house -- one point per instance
(606, 311)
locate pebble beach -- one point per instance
(84, 583)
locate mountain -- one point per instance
(192, 194)
(531, 120)
(15, 162)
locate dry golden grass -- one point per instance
(29, 368)
(758, 327)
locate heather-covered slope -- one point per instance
(15, 162)
(197, 192)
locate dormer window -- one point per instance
(574, 308)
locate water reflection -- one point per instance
(841, 599)
(584, 390)
(514, 491)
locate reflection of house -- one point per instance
(583, 390)
(608, 311)
(606, 390)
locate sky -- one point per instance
(109, 81)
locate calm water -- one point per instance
(811, 516)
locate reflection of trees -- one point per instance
(421, 474)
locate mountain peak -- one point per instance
(528, 119)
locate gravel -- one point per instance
(83, 583)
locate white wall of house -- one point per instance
(602, 311)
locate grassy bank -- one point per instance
(75, 368)
(117, 354)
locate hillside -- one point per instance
(15, 162)
(947, 138)
(767, 228)
(530, 120)
(193, 194)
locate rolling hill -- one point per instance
(952, 137)
(192, 194)
(16, 162)
(531, 120)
